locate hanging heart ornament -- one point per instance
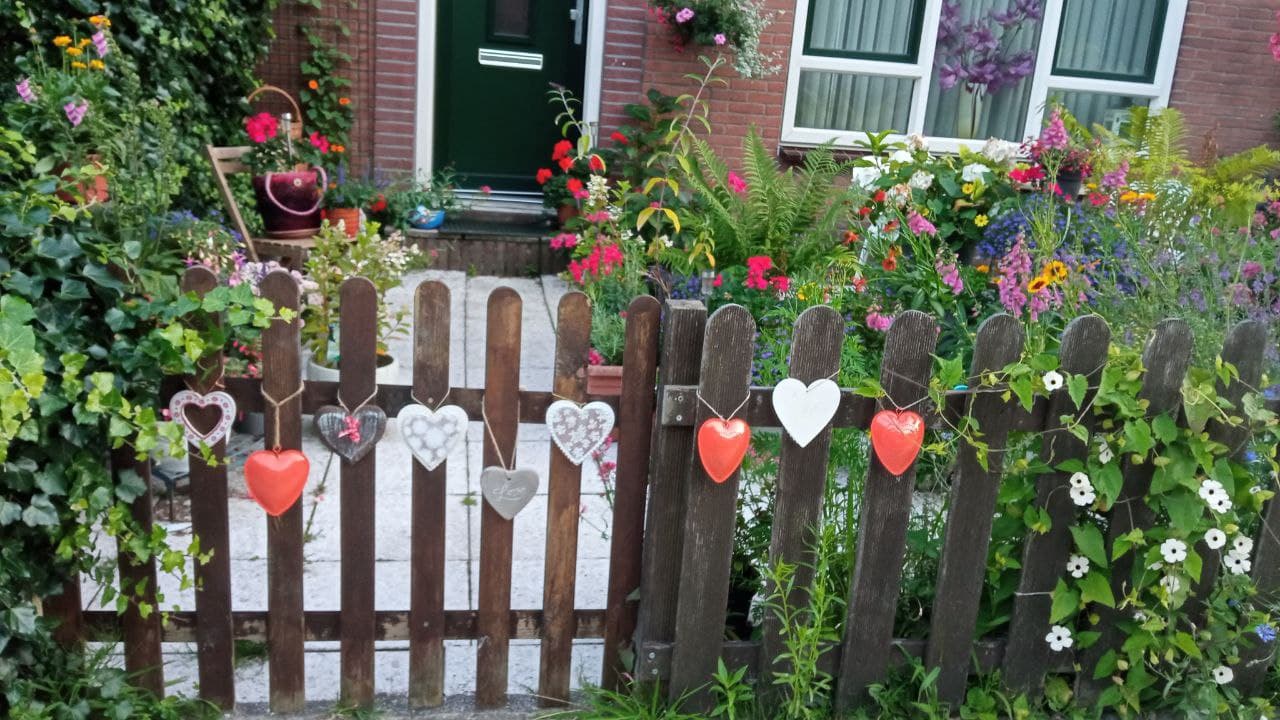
(896, 437)
(805, 410)
(579, 429)
(430, 434)
(275, 478)
(721, 445)
(351, 435)
(221, 430)
(508, 491)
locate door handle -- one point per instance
(577, 15)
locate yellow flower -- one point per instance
(1146, 196)
(1036, 285)
(74, 51)
(1056, 271)
(62, 41)
(967, 188)
(78, 65)
(1129, 197)
(100, 20)
(981, 220)
(97, 64)
(83, 42)
(984, 269)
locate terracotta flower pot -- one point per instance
(604, 380)
(289, 202)
(567, 212)
(96, 191)
(349, 217)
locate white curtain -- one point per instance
(1113, 38)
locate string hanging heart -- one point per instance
(723, 442)
(186, 399)
(896, 438)
(276, 477)
(506, 488)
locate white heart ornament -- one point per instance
(805, 411)
(579, 429)
(430, 434)
(508, 491)
(184, 399)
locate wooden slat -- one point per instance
(142, 657)
(1166, 359)
(573, 342)
(635, 431)
(358, 361)
(802, 473)
(883, 519)
(281, 377)
(66, 609)
(431, 338)
(1083, 351)
(963, 565)
(210, 525)
(710, 513)
(502, 381)
(225, 161)
(682, 329)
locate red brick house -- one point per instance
(464, 81)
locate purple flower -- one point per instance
(75, 113)
(684, 16)
(1250, 270)
(100, 44)
(1117, 178)
(25, 92)
(1054, 136)
(1265, 632)
(721, 39)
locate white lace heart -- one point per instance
(221, 430)
(805, 411)
(579, 429)
(430, 434)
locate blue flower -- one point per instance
(1265, 632)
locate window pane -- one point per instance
(844, 101)
(510, 19)
(1117, 39)
(983, 63)
(1101, 108)
(873, 29)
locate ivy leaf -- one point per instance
(1095, 588)
(40, 512)
(1089, 540)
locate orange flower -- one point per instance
(100, 20)
(337, 148)
(344, 101)
(74, 51)
(62, 41)
(97, 65)
(313, 84)
(78, 65)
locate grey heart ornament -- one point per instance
(432, 434)
(508, 491)
(351, 435)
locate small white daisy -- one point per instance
(1171, 584)
(1078, 566)
(1237, 564)
(1059, 638)
(1215, 538)
(1052, 380)
(1080, 480)
(1220, 504)
(1083, 496)
(1242, 545)
(1173, 550)
(1223, 675)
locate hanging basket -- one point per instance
(295, 131)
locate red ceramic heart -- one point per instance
(276, 478)
(896, 436)
(722, 444)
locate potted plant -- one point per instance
(335, 258)
(562, 192)
(1064, 156)
(288, 180)
(423, 204)
(346, 198)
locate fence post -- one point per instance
(1083, 351)
(635, 431)
(710, 511)
(281, 379)
(683, 325)
(1166, 359)
(142, 655)
(802, 473)
(68, 609)
(210, 524)
(883, 519)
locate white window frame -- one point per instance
(1043, 81)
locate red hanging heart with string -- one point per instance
(896, 437)
(276, 478)
(721, 446)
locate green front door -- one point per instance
(496, 60)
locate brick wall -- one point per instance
(1226, 81)
(622, 77)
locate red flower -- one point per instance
(781, 283)
(879, 196)
(859, 284)
(718, 281)
(891, 226)
(380, 204)
(565, 164)
(574, 185)
(850, 237)
(261, 127)
(1096, 199)
(561, 150)
(597, 164)
(544, 174)
(320, 141)
(890, 263)
(619, 138)
(864, 211)
(1029, 175)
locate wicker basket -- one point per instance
(295, 130)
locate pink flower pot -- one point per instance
(289, 202)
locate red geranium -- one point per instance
(380, 204)
(320, 142)
(1029, 175)
(261, 127)
(565, 164)
(574, 185)
(561, 150)
(596, 164)
(619, 138)
(879, 196)
(544, 174)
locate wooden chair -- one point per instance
(226, 161)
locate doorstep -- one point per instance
(460, 707)
(487, 247)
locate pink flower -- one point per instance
(781, 283)
(757, 266)
(75, 113)
(950, 275)
(721, 39)
(878, 322)
(1117, 178)
(736, 183)
(720, 278)
(1027, 175)
(564, 240)
(320, 142)
(485, 189)
(25, 92)
(684, 16)
(261, 127)
(100, 44)
(594, 357)
(920, 225)
(1054, 136)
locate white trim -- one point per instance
(1044, 65)
(597, 13)
(924, 64)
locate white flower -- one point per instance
(1052, 380)
(1083, 496)
(1255, 489)
(1059, 638)
(1223, 675)
(916, 141)
(1209, 489)
(867, 175)
(1171, 584)
(973, 172)
(1242, 545)
(1104, 451)
(1173, 550)
(1215, 538)
(1220, 503)
(901, 156)
(1237, 564)
(921, 180)
(1080, 480)
(1078, 566)
(1139, 616)
(1000, 151)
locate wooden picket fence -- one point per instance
(672, 527)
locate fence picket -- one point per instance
(1166, 359)
(882, 524)
(209, 523)
(802, 471)
(710, 511)
(573, 342)
(635, 431)
(683, 325)
(501, 387)
(67, 609)
(357, 366)
(281, 378)
(142, 655)
(426, 570)
(1083, 351)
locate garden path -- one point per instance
(321, 503)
